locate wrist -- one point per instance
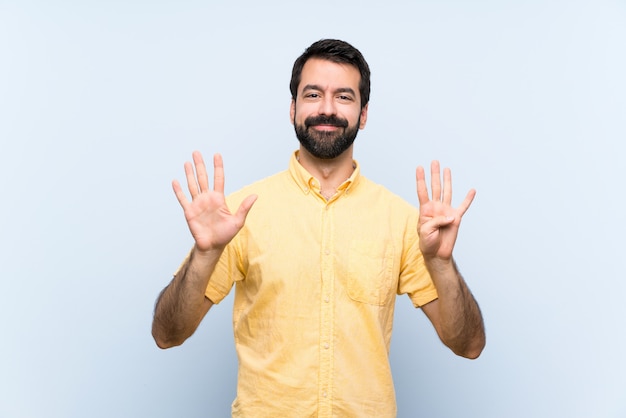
(437, 265)
(207, 253)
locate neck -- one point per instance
(330, 173)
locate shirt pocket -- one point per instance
(370, 271)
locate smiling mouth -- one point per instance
(325, 127)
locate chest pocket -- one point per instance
(370, 272)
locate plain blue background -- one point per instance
(102, 102)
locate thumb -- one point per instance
(245, 207)
(440, 222)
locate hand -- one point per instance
(209, 219)
(439, 222)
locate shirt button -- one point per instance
(324, 394)
(326, 299)
(326, 346)
(326, 252)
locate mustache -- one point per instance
(325, 120)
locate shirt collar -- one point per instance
(306, 182)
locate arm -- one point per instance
(182, 304)
(455, 314)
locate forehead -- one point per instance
(329, 74)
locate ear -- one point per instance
(292, 111)
(363, 116)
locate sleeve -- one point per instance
(226, 272)
(414, 277)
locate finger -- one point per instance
(437, 223)
(180, 195)
(218, 173)
(435, 180)
(201, 174)
(422, 190)
(447, 186)
(469, 198)
(192, 183)
(244, 208)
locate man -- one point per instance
(318, 260)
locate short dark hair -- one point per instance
(336, 51)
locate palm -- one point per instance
(439, 222)
(210, 222)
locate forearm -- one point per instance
(182, 304)
(461, 325)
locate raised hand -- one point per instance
(211, 223)
(439, 222)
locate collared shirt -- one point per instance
(315, 284)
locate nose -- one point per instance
(327, 106)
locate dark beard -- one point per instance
(326, 145)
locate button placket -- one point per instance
(326, 314)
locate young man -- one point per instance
(318, 260)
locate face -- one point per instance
(327, 112)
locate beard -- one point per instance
(326, 145)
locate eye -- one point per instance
(312, 95)
(344, 98)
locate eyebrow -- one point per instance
(319, 88)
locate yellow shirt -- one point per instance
(315, 292)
